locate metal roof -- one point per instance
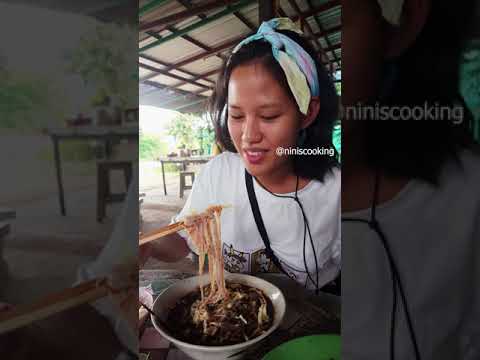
(182, 43)
(119, 11)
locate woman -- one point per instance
(410, 188)
(271, 94)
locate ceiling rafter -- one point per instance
(198, 24)
(320, 27)
(317, 10)
(162, 23)
(194, 15)
(177, 77)
(162, 63)
(306, 25)
(328, 32)
(222, 47)
(205, 76)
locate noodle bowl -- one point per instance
(215, 314)
(167, 300)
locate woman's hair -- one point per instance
(317, 135)
(426, 73)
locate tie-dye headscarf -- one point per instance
(296, 63)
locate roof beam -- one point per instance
(165, 73)
(204, 76)
(150, 6)
(306, 25)
(182, 15)
(162, 63)
(333, 47)
(319, 9)
(219, 48)
(188, 4)
(185, 37)
(168, 88)
(198, 24)
(328, 32)
(267, 9)
(281, 12)
(189, 104)
(200, 77)
(245, 21)
(319, 24)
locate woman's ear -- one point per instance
(413, 19)
(312, 112)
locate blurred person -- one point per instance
(410, 188)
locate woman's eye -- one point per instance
(270, 117)
(236, 117)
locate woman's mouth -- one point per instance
(255, 156)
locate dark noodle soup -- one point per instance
(243, 315)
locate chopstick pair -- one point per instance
(52, 304)
(164, 231)
(157, 318)
(167, 230)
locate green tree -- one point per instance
(191, 131)
(470, 83)
(104, 57)
(26, 100)
(150, 147)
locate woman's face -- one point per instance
(261, 118)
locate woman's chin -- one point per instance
(256, 170)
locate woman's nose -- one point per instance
(251, 131)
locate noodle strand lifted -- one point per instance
(221, 312)
(204, 230)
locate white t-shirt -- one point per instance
(434, 236)
(222, 182)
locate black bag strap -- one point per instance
(259, 221)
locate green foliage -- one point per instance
(151, 147)
(470, 82)
(338, 87)
(337, 138)
(191, 131)
(104, 57)
(27, 100)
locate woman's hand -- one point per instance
(170, 248)
(145, 252)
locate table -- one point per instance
(105, 134)
(307, 314)
(75, 334)
(184, 161)
(6, 215)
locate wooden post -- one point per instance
(267, 9)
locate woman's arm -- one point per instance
(170, 248)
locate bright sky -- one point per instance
(153, 119)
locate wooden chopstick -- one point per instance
(164, 231)
(170, 229)
(25, 314)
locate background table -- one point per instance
(106, 135)
(184, 161)
(307, 314)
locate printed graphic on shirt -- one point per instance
(235, 261)
(262, 264)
